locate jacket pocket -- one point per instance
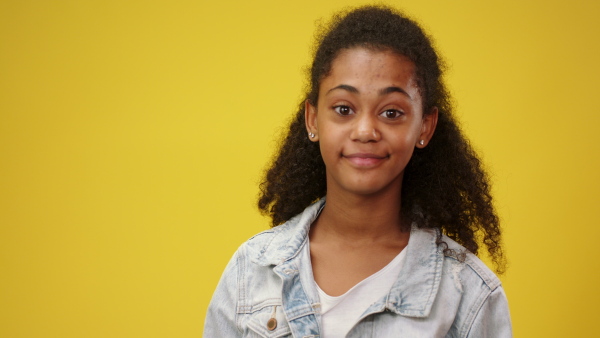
(269, 322)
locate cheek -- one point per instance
(331, 138)
(329, 149)
(408, 141)
(404, 144)
(408, 135)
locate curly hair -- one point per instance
(444, 184)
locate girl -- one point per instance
(378, 205)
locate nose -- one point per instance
(365, 129)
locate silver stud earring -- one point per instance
(422, 142)
(311, 135)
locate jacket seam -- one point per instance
(470, 320)
(242, 288)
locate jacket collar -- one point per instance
(416, 288)
(412, 294)
(285, 240)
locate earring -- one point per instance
(311, 135)
(422, 142)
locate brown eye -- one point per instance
(343, 110)
(391, 114)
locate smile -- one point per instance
(365, 160)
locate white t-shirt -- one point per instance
(339, 314)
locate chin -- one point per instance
(365, 184)
(370, 188)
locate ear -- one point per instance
(428, 127)
(310, 118)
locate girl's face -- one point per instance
(368, 120)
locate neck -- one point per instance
(360, 219)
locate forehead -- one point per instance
(362, 66)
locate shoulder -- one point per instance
(427, 249)
(273, 246)
(483, 307)
(470, 264)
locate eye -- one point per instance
(343, 110)
(391, 114)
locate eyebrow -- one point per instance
(382, 92)
(344, 87)
(389, 90)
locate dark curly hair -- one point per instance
(444, 184)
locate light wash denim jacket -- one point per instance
(270, 276)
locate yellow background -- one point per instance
(133, 135)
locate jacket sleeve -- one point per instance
(493, 318)
(221, 317)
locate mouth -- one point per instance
(365, 160)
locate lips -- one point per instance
(364, 160)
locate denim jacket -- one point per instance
(269, 281)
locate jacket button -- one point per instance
(272, 324)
